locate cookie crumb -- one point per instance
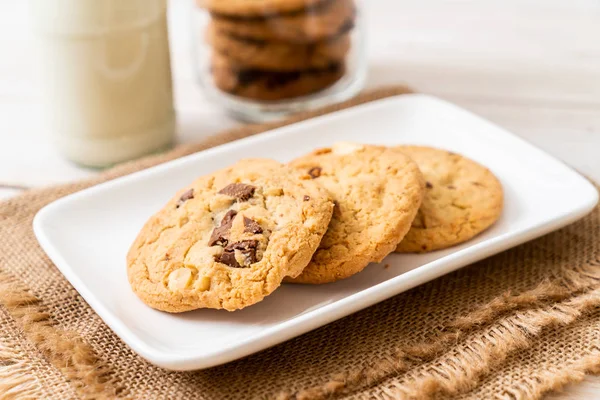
(386, 266)
(325, 150)
(188, 195)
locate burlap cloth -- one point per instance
(514, 326)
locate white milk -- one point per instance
(106, 76)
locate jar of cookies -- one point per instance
(263, 59)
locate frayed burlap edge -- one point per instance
(16, 381)
(551, 303)
(486, 335)
(553, 381)
(63, 349)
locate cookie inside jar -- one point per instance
(275, 50)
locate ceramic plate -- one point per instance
(87, 234)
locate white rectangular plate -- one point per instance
(87, 234)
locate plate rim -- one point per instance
(325, 314)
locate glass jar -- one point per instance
(265, 59)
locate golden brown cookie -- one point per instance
(271, 85)
(462, 198)
(257, 8)
(279, 56)
(229, 239)
(376, 196)
(318, 23)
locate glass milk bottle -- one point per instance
(106, 77)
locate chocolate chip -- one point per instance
(315, 172)
(428, 185)
(240, 191)
(220, 235)
(246, 247)
(185, 197)
(243, 245)
(306, 198)
(476, 183)
(228, 258)
(251, 226)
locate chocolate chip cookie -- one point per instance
(271, 85)
(257, 8)
(376, 196)
(229, 239)
(316, 23)
(462, 198)
(278, 56)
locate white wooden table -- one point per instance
(532, 66)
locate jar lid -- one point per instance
(93, 17)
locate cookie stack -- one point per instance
(278, 49)
(232, 237)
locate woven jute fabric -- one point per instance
(514, 326)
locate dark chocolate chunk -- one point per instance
(240, 191)
(246, 247)
(315, 172)
(228, 218)
(251, 226)
(243, 245)
(185, 197)
(220, 234)
(306, 198)
(428, 185)
(228, 258)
